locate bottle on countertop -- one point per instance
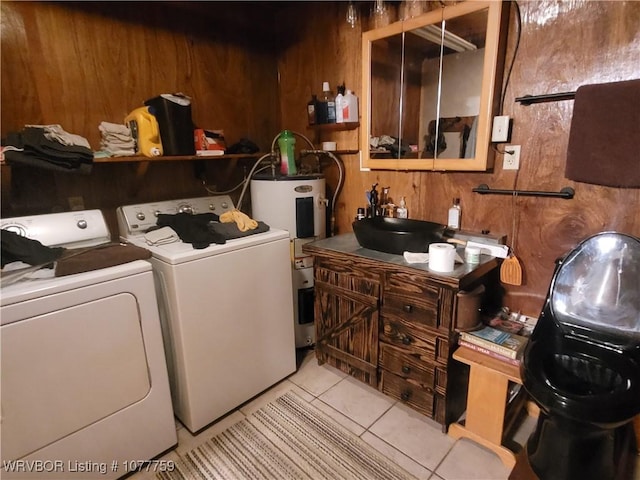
(401, 211)
(340, 104)
(455, 212)
(312, 110)
(326, 111)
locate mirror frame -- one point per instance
(489, 97)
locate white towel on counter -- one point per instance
(161, 236)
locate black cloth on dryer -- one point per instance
(193, 229)
(16, 248)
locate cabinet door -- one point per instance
(445, 96)
(346, 312)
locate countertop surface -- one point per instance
(348, 244)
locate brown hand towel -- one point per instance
(604, 141)
(103, 256)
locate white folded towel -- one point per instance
(58, 134)
(161, 236)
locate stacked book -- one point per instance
(496, 343)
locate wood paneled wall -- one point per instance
(80, 63)
(252, 71)
(563, 45)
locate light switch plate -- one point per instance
(500, 132)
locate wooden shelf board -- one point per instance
(335, 126)
(180, 158)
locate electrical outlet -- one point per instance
(511, 159)
(500, 132)
(76, 203)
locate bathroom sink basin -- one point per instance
(398, 235)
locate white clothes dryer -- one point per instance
(226, 310)
(85, 391)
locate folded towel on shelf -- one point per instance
(32, 148)
(57, 134)
(603, 140)
(117, 139)
(243, 221)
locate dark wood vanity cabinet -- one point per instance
(392, 326)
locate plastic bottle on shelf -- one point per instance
(327, 105)
(350, 107)
(454, 215)
(401, 211)
(287, 144)
(340, 104)
(312, 110)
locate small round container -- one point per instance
(472, 255)
(329, 146)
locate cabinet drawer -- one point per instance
(407, 365)
(411, 308)
(407, 392)
(412, 339)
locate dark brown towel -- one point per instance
(604, 141)
(93, 258)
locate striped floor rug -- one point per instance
(286, 439)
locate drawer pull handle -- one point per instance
(406, 340)
(405, 396)
(405, 369)
(408, 308)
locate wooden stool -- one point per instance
(487, 402)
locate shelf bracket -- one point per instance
(566, 193)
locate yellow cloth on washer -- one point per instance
(243, 221)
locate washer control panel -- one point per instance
(135, 220)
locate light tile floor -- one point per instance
(407, 437)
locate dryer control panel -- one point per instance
(81, 228)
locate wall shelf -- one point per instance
(334, 127)
(179, 158)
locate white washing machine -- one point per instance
(226, 311)
(85, 389)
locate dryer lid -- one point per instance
(597, 286)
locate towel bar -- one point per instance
(566, 192)
(550, 97)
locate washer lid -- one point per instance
(597, 286)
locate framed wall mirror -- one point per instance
(431, 88)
